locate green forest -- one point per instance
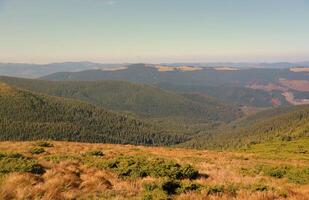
(288, 123)
(141, 100)
(128, 113)
(29, 116)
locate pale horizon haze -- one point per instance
(154, 31)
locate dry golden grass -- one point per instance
(70, 179)
(7, 90)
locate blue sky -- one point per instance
(42, 31)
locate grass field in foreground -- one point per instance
(62, 170)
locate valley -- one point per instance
(144, 104)
(154, 100)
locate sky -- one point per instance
(154, 31)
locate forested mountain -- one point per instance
(189, 116)
(142, 100)
(275, 124)
(25, 115)
(244, 86)
(241, 96)
(28, 115)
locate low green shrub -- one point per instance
(154, 191)
(37, 150)
(130, 166)
(232, 189)
(157, 194)
(44, 144)
(215, 189)
(298, 176)
(149, 187)
(277, 172)
(293, 174)
(94, 153)
(10, 155)
(168, 187)
(171, 186)
(189, 187)
(187, 171)
(15, 162)
(259, 187)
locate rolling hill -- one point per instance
(38, 70)
(246, 85)
(240, 96)
(185, 75)
(26, 115)
(288, 123)
(141, 100)
(73, 119)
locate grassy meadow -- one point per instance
(62, 170)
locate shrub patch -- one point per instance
(15, 162)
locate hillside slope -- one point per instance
(142, 100)
(26, 115)
(232, 86)
(287, 123)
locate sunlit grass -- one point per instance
(296, 149)
(104, 171)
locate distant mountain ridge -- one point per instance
(27, 70)
(38, 70)
(210, 81)
(149, 74)
(276, 65)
